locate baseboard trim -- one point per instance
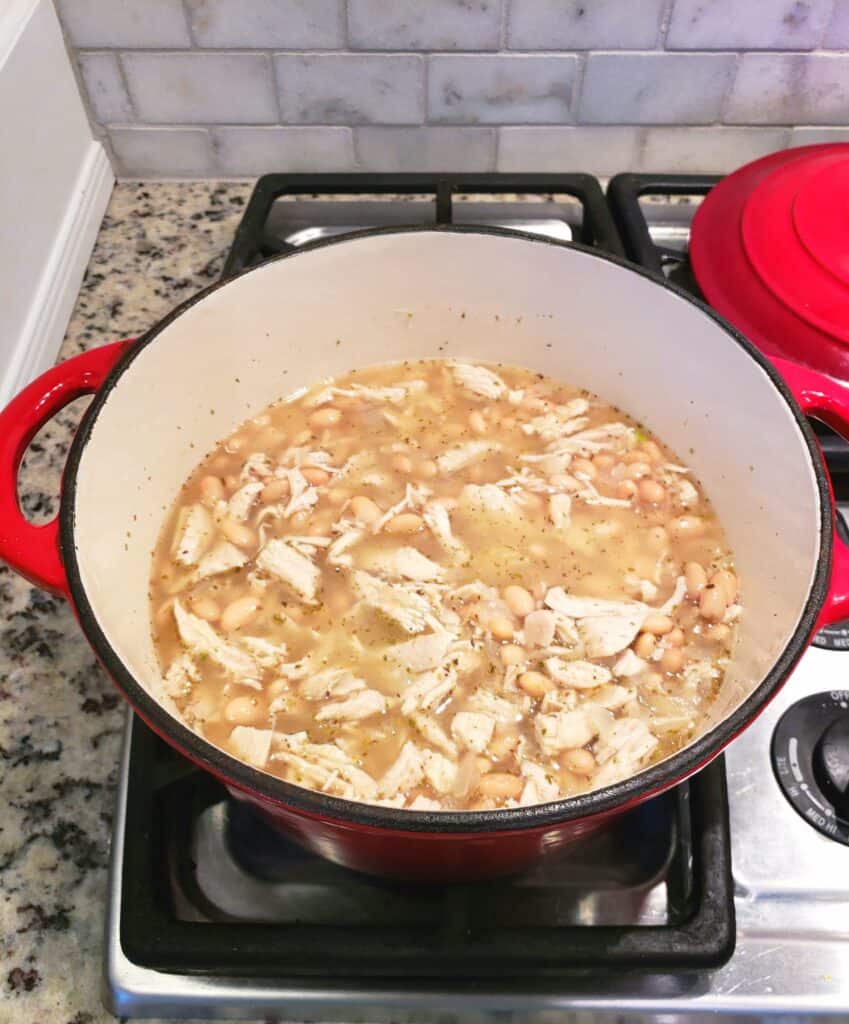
(44, 328)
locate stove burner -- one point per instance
(810, 756)
(226, 894)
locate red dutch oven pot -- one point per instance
(482, 294)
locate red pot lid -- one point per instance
(770, 250)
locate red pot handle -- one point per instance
(33, 551)
(828, 400)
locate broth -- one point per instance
(443, 586)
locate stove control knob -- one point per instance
(831, 765)
(810, 755)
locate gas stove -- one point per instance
(726, 896)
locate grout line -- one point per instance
(665, 22)
(277, 85)
(122, 72)
(504, 27)
(831, 15)
(346, 24)
(497, 129)
(187, 18)
(578, 86)
(725, 101)
(426, 117)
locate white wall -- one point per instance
(55, 180)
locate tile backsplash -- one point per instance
(238, 87)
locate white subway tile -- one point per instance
(161, 152)
(761, 25)
(247, 151)
(507, 88)
(837, 33)
(430, 25)
(201, 88)
(715, 150)
(790, 89)
(583, 24)
(105, 87)
(329, 88)
(817, 136)
(654, 88)
(135, 23)
(268, 24)
(592, 150)
(426, 149)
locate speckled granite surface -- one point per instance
(60, 719)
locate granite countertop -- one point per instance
(61, 719)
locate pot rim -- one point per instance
(651, 780)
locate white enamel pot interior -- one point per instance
(470, 294)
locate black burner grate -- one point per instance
(304, 917)
(272, 218)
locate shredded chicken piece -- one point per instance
(194, 534)
(479, 380)
(224, 557)
(405, 773)
(487, 499)
(614, 437)
(323, 766)
(558, 420)
(264, 653)
(428, 691)
(302, 496)
(580, 675)
(414, 496)
(257, 466)
(590, 496)
(202, 641)
(686, 494)
(421, 652)
(433, 732)
(502, 710)
(181, 676)
(626, 743)
(404, 564)
(361, 705)
(613, 696)
(439, 771)
(292, 568)
(472, 730)
(464, 454)
(628, 664)
(252, 745)
(243, 500)
(396, 602)
(424, 803)
(395, 394)
(564, 730)
(675, 599)
(560, 510)
(605, 627)
(349, 534)
(540, 786)
(438, 522)
(330, 682)
(539, 628)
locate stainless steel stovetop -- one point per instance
(791, 885)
